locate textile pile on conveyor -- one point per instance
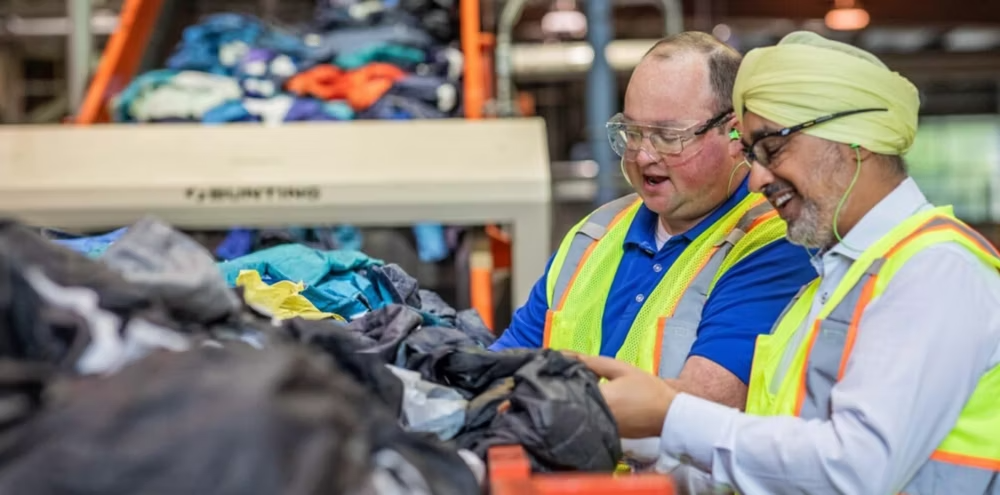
(153, 368)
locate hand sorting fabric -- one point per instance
(151, 334)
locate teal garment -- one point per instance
(399, 55)
(334, 280)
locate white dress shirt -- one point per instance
(921, 348)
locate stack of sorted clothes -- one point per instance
(358, 59)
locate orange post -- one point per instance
(481, 279)
(121, 58)
(474, 87)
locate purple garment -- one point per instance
(306, 109)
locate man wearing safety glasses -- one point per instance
(883, 376)
(680, 278)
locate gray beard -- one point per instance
(814, 226)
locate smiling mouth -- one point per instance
(782, 199)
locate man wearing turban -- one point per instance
(883, 375)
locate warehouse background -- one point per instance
(949, 49)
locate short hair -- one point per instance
(723, 61)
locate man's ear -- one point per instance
(735, 135)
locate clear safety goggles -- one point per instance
(627, 138)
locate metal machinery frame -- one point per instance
(195, 176)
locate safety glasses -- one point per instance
(627, 138)
(756, 152)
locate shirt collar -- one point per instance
(642, 232)
(892, 210)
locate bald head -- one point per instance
(720, 61)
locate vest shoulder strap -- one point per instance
(578, 242)
(827, 360)
(758, 227)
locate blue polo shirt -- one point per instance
(745, 302)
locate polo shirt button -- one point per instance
(657, 268)
(640, 298)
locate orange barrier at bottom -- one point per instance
(510, 474)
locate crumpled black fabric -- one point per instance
(367, 369)
(40, 329)
(22, 385)
(67, 268)
(401, 286)
(421, 347)
(556, 412)
(381, 332)
(220, 421)
(470, 369)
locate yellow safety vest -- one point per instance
(665, 328)
(968, 460)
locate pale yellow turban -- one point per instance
(807, 76)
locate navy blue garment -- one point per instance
(434, 91)
(745, 302)
(311, 109)
(394, 107)
(443, 61)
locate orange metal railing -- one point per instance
(510, 474)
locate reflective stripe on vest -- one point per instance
(795, 370)
(666, 326)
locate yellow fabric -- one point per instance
(773, 391)
(282, 299)
(807, 76)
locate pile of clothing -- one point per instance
(358, 59)
(147, 369)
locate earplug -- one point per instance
(734, 135)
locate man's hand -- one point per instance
(638, 400)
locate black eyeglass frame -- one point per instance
(714, 122)
(752, 156)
